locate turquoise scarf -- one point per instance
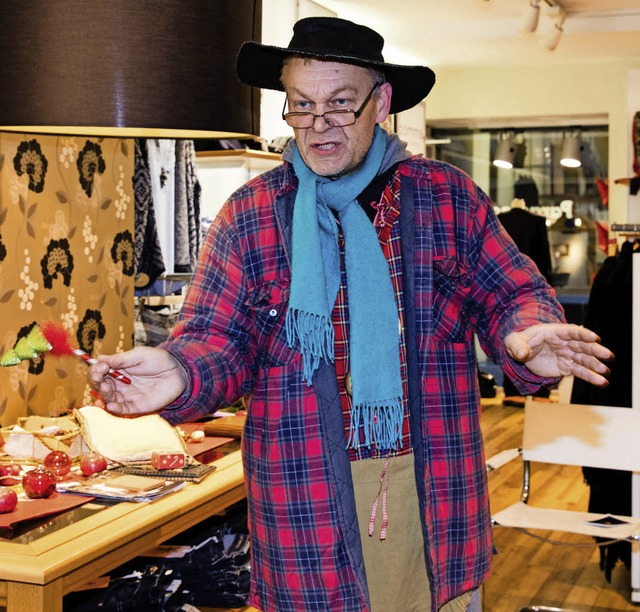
(373, 314)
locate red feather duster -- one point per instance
(60, 340)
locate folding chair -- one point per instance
(580, 435)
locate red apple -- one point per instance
(92, 463)
(8, 500)
(10, 469)
(39, 482)
(10, 474)
(58, 462)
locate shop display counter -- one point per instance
(42, 564)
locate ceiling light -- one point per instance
(551, 39)
(505, 153)
(530, 18)
(571, 152)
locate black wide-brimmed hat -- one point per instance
(335, 40)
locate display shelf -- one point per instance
(220, 173)
(239, 153)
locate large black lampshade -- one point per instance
(137, 68)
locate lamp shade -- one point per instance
(505, 153)
(571, 152)
(531, 17)
(571, 156)
(138, 68)
(552, 38)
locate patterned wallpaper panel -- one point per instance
(66, 255)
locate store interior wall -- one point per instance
(552, 94)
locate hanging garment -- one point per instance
(148, 255)
(609, 314)
(529, 232)
(187, 208)
(167, 204)
(161, 153)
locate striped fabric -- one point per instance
(461, 274)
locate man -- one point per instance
(339, 294)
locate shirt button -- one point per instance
(273, 312)
(347, 384)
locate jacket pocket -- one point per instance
(268, 303)
(451, 283)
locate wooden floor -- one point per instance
(527, 571)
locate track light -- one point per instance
(571, 152)
(551, 39)
(530, 18)
(505, 152)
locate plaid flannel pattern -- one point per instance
(462, 275)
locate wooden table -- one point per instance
(34, 575)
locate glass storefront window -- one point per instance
(573, 200)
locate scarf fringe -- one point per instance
(381, 424)
(315, 335)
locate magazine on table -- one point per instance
(122, 487)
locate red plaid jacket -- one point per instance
(462, 275)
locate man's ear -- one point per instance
(383, 101)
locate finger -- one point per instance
(517, 348)
(592, 348)
(105, 388)
(580, 371)
(117, 408)
(592, 363)
(116, 361)
(97, 377)
(575, 332)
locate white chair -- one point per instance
(580, 435)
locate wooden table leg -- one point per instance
(22, 597)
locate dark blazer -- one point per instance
(529, 232)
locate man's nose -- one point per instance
(320, 124)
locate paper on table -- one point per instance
(29, 509)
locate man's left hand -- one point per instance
(561, 349)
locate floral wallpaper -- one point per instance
(66, 255)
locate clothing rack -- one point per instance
(633, 230)
(186, 276)
(626, 229)
(159, 300)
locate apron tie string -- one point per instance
(385, 477)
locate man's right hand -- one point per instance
(157, 379)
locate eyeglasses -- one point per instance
(334, 118)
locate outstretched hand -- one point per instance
(561, 349)
(157, 379)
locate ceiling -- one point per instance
(451, 33)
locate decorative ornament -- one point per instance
(50, 337)
(27, 347)
(10, 358)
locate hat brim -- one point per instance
(260, 66)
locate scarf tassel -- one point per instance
(315, 335)
(381, 424)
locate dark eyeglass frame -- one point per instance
(332, 113)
